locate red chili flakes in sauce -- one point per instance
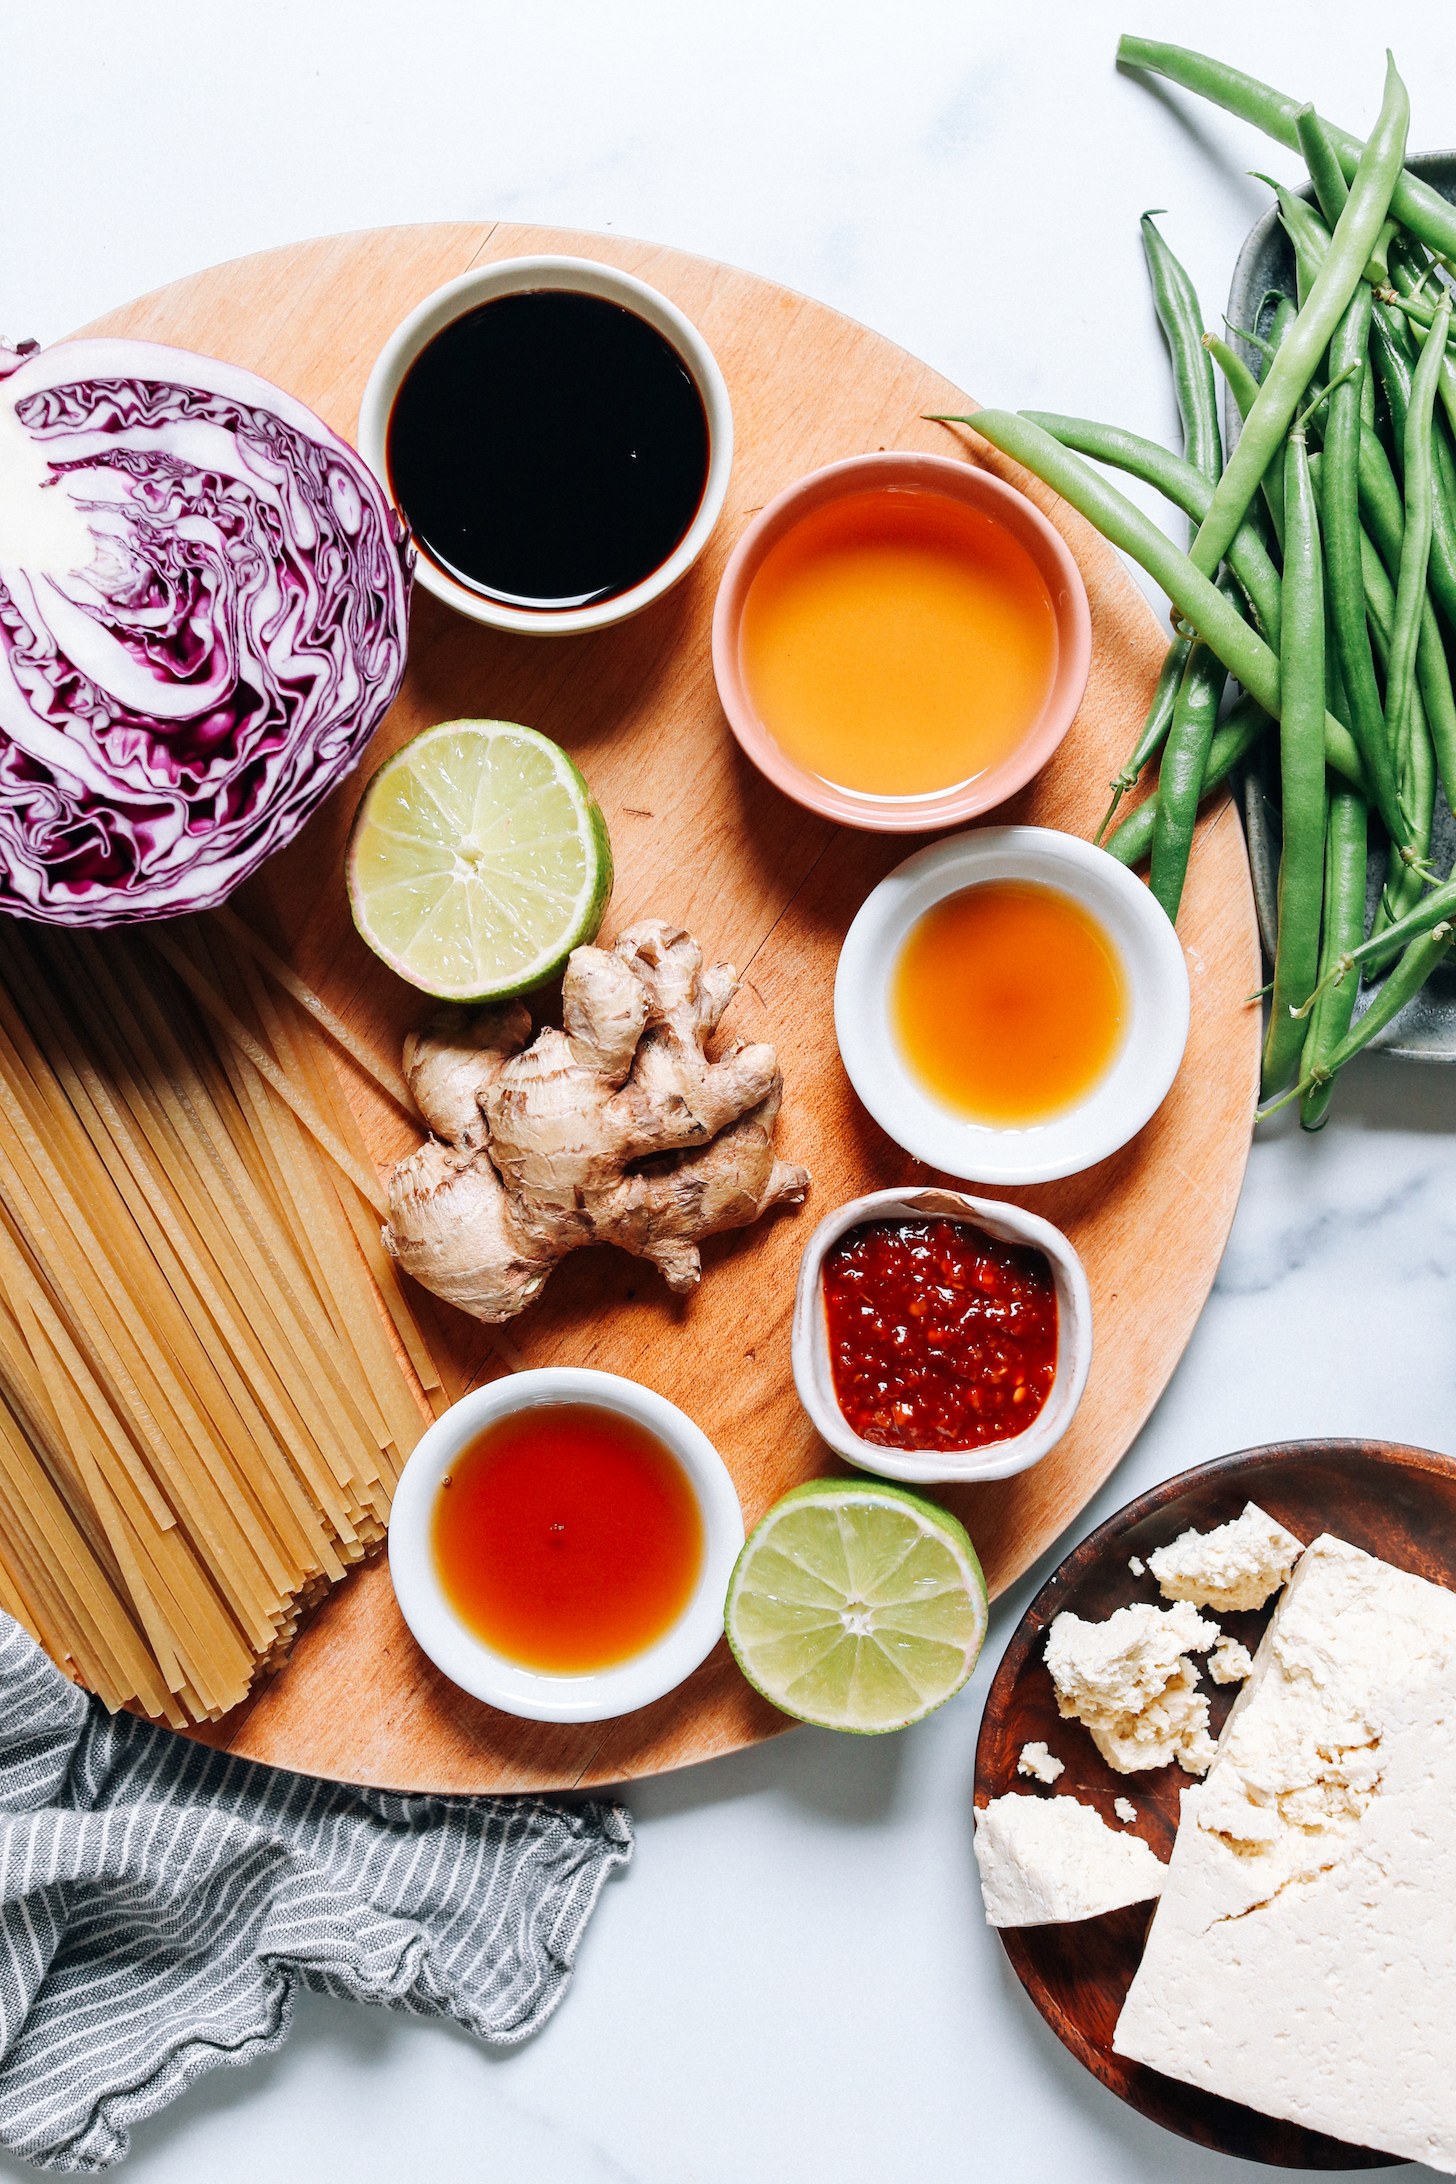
(939, 1336)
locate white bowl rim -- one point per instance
(490, 1676)
(1010, 1224)
(1121, 1102)
(588, 276)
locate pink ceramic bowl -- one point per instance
(957, 481)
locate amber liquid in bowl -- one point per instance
(567, 1537)
(1008, 1003)
(898, 643)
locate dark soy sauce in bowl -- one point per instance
(548, 449)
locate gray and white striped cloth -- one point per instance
(159, 1902)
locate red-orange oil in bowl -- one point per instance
(940, 1336)
(1008, 1002)
(567, 1537)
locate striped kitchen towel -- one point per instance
(159, 1902)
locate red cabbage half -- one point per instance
(202, 620)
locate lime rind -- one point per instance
(478, 860)
(857, 1606)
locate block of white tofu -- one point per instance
(1303, 1955)
(1046, 1859)
(1232, 1568)
(1131, 1684)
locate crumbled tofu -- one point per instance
(1129, 1681)
(1124, 1808)
(1136, 1564)
(1038, 1762)
(1303, 1957)
(1230, 1662)
(1045, 1859)
(1232, 1568)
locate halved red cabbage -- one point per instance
(202, 620)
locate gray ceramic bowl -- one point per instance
(1425, 1031)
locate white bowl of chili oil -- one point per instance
(929, 1324)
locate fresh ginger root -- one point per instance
(615, 1130)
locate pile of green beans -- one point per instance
(1320, 575)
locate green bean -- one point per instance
(1446, 387)
(1414, 308)
(1323, 162)
(1380, 505)
(1344, 929)
(1243, 386)
(1306, 231)
(1301, 770)
(1436, 908)
(1397, 379)
(1420, 208)
(1154, 730)
(1435, 711)
(1420, 494)
(1243, 653)
(1232, 740)
(1340, 525)
(1299, 354)
(1180, 777)
(1180, 483)
(1405, 886)
(1403, 984)
(1311, 236)
(1379, 266)
(1181, 319)
(1273, 480)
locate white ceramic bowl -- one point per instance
(997, 1459)
(515, 276)
(489, 1675)
(1117, 1106)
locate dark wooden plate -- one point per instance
(1398, 1503)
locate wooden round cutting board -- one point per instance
(701, 838)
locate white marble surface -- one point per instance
(793, 1980)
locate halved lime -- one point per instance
(478, 860)
(856, 1606)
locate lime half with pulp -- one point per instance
(478, 860)
(857, 1606)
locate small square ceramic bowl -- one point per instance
(582, 276)
(465, 1658)
(813, 1374)
(947, 478)
(1114, 1108)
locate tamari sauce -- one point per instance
(549, 450)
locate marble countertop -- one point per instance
(793, 1980)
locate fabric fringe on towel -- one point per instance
(160, 1901)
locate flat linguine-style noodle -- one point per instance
(210, 1374)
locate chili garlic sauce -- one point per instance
(549, 450)
(567, 1537)
(898, 643)
(1008, 1003)
(939, 1336)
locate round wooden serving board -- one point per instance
(701, 838)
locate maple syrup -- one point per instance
(1008, 1002)
(896, 642)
